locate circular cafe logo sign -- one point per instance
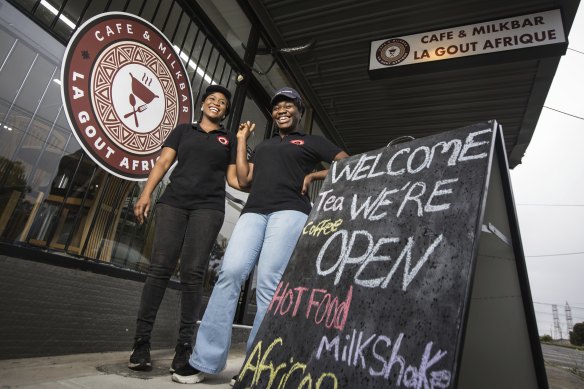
(124, 89)
(392, 52)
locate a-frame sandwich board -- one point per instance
(408, 274)
(501, 329)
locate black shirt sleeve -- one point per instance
(326, 149)
(173, 139)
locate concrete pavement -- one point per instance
(562, 378)
(108, 370)
(105, 370)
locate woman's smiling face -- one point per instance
(215, 106)
(286, 115)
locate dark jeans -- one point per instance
(188, 234)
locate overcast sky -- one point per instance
(549, 194)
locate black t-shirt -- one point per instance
(198, 179)
(280, 165)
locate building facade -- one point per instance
(72, 256)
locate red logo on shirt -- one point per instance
(223, 140)
(297, 142)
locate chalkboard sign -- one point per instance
(408, 274)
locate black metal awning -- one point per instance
(362, 113)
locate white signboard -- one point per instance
(538, 29)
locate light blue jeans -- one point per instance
(265, 240)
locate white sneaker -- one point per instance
(188, 375)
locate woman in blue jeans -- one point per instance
(279, 174)
(189, 216)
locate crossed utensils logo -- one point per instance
(140, 90)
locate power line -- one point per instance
(537, 313)
(571, 306)
(552, 205)
(569, 48)
(565, 113)
(559, 305)
(553, 255)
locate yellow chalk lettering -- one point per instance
(331, 376)
(260, 362)
(306, 381)
(296, 366)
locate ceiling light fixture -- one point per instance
(55, 11)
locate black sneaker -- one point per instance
(182, 353)
(233, 380)
(188, 375)
(140, 358)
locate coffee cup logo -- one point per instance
(124, 89)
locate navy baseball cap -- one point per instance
(288, 93)
(221, 89)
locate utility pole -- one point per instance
(569, 322)
(557, 320)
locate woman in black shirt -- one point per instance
(276, 210)
(189, 216)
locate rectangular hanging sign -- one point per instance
(510, 34)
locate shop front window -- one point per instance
(52, 195)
